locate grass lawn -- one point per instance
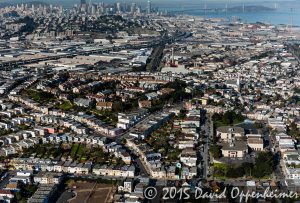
(220, 170)
(65, 105)
(74, 150)
(38, 96)
(23, 127)
(79, 152)
(108, 117)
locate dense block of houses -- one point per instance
(114, 171)
(128, 120)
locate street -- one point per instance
(206, 134)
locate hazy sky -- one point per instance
(164, 3)
(158, 1)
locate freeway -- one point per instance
(165, 39)
(155, 58)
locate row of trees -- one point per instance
(263, 167)
(228, 118)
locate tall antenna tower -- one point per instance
(226, 9)
(290, 24)
(292, 17)
(205, 8)
(90, 6)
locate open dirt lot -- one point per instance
(91, 192)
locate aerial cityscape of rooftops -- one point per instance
(130, 102)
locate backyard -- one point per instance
(67, 151)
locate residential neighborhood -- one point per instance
(102, 101)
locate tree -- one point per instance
(293, 130)
(235, 172)
(118, 107)
(215, 151)
(143, 97)
(264, 164)
(247, 168)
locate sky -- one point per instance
(159, 1)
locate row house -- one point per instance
(68, 86)
(51, 166)
(5, 126)
(170, 173)
(6, 151)
(135, 89)
(97, 125)
(30, 103)
(126, 95)
(97, 98)
(87, 139)
(165, 91)
(188, 157)
(144, 104)
(125, 121)
(277, 123)
(113, 171)
(149, 86)
(7, 113)
(84, 102)
(104, 105)
(48, 178)
(22, 120)
(151, 124)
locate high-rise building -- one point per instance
(138, 10)
(83, 5)
(94, 9)
(133, 8)
(119, 8)
(149, 8)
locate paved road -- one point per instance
(205, 149)
(65, 196)
(138, 162)
(143, 171)
(155, 58)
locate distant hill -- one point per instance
(250, 9)
(37, 3)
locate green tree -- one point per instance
(264, 164)
(215, 151)
(293, 130)
(247, 168)
(235, 172)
